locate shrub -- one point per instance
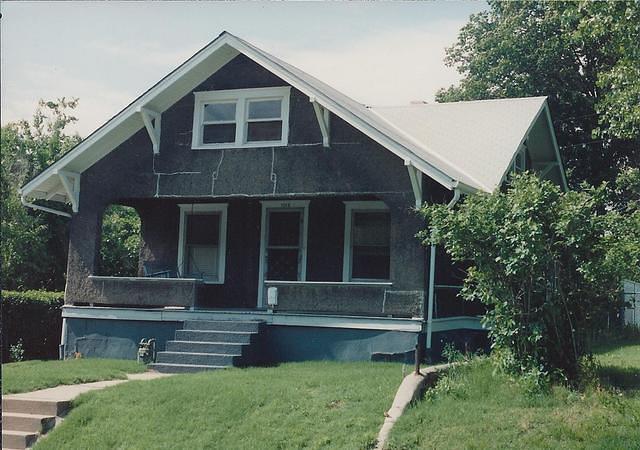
(31, 322)
(547, 263)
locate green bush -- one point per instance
(548, 264)
(32, 319)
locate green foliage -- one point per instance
(16, 351)
(33, 247)
(547, 264)
(120, 245)
(583, 55)
(33, 320)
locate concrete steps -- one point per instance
(18, 439)
(25, 420)
(210, 345)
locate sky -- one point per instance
(108, 53)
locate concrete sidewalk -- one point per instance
(67, 392)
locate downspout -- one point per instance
(432, 273)
(43, 208)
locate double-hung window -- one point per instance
(366, 242)
(202, 242)
(241, 118)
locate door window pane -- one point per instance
(284, 228)
(282, 264)
(370, 235)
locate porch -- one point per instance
(321, 255)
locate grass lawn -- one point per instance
(294, 405)
(482, 410)
(33, 375)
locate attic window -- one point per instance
(241, 118)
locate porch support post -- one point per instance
(416, 182)
(151, 121)
(432, 273)
(71, 183)
(322, 114)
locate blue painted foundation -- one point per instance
(109, 338)
(112, 338)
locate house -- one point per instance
(279, 214)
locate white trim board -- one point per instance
(279, 318)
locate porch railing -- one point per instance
(139, 291)
(357, 298)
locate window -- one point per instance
(366, 241)
(241, 118)
(520, 161)
(202, 242)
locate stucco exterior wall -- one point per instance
(354, 167)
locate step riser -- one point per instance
(199, 347)
(18, 441)
(184, 369)
(222, 325)
(203, 360)
(14, 405)
(213, 336)
(33, 424)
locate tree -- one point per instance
(548, 265)
(34, 244)
(583, 55)
(120, 244)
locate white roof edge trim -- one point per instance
(128, 111)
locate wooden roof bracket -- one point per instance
(416, 182)
(71, 184)
(152, 123)
(322, 114)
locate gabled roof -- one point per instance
(476, 139)
(411, 133)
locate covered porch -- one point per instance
(323, 254)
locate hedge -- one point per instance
(36, 318)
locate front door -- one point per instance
(283, 246)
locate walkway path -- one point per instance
(27, 416)
(410, 389)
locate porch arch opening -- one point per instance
(120, 241)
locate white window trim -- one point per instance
(241, 98)
(281, 205)
(197, 208)
(350, 207)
